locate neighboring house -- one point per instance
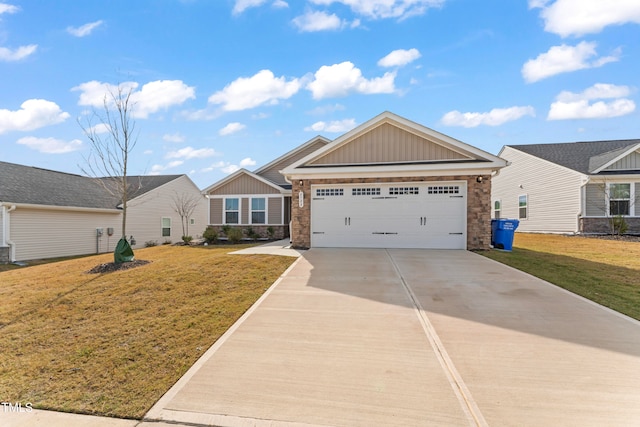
(393, 183)
(46, 214)
(259, 199)
(573, 187)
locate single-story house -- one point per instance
(45, 214)
(576, 187)
(392, 183)
(259, 199)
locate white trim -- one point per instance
(526, 195)
(162, 227)
(224, 210)
(266, 211)
(292, 152)
(620, 157)
(62, 208)
(632, 198)
(397, 171)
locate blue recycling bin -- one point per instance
(502, 231)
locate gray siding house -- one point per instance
(45, 213)
(577, 187)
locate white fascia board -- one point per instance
(292, 152)
(625, 178)
(612, 161)
(248, 196)
(62, 208)
(337, 173)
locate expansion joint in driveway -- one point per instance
(460, 389)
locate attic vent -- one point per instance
(365, 191)
(445, 189)
(394, 191)
(323, 192)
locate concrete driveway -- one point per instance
(356, 337)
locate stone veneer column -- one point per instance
(301, 216)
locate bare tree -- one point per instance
(185, 204)
(112, 136)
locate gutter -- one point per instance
(5, 231)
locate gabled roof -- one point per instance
(37, 186)
(292, 154)
(585, 157)
(393, 143)
(231, 177)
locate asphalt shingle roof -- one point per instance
(31, 185)
(583, 157)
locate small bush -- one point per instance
(150, 243)
(252, 234)
(619, 225)
(271, 232)
(187, 239)
(234, 235)
(210, 235)
(226, 228)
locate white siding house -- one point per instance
(578, 187)
(46, 214)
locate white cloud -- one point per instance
(399, 57)
(262, 88)
(563, 59)
(99, 128)
(191, 153)
(33, 114)
(336, 126)
(280, 4)
(327, 109)
(318, 21)
(156, 169)
(176, 137)
(378, 9)
(85, 29)
(569, 105)
(242, 5)
(580, 17)
(22, 52)
(50, 145)
(152, 97)
(246, 162)
(341, 79)
(231, 128)
(8, 8)
(229, 169)
(495, 117)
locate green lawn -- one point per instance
(112, 344)
(604, 271)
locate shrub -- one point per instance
(226, 228)
(234, 235)
(619, 225)
(210, 235)
(187, 239)
(252, 234)
(271, 232)
(150, 243)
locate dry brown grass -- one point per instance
(605, 271)
(112, 344)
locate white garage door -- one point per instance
(428, 215)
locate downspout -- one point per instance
(6, 224)
(583, 203)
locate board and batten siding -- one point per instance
(45, 233)
(553, 191)
(244, 184)
(145, 213)
(272, 172)
(385, 144)
(2, 225)
(630, 162)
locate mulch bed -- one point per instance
(112, 266)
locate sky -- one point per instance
(218, 85)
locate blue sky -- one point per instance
(223, 84)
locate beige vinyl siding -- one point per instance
(630, 162)
(145, 213)
(244, 184)
(274, 209)
(244, 211)
(272, 173)
(388, 144)
(595, 200)
(554, 193)
(216, 213)
(41, 233)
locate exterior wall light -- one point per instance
(479, 179)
